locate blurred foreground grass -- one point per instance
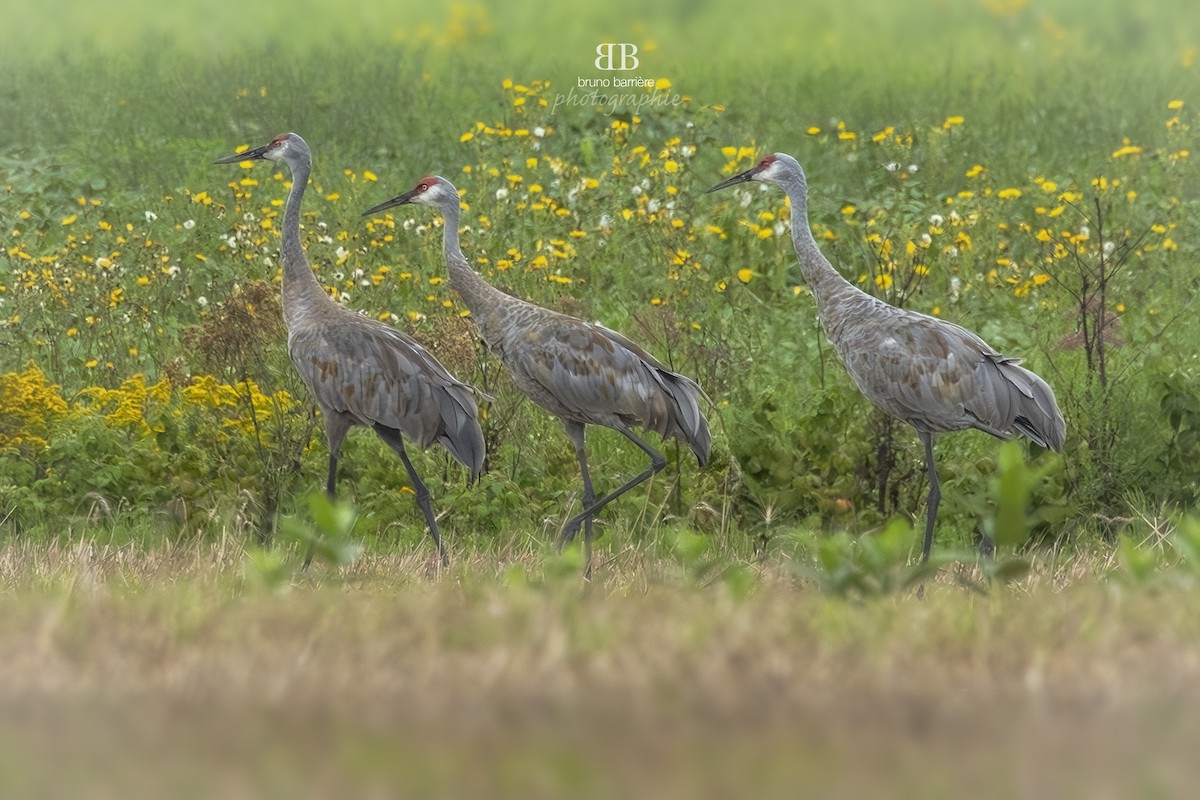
(166, 672)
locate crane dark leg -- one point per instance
(575, 431)
(331, 482)
(935, 496)
(335, 434)
(421, 492)
(657, 462)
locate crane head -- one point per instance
(764, 170)
(431, 191)
(271, 151)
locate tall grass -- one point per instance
(128, 107)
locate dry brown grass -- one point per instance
(165, 673)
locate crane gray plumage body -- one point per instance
(932, 374)
(372, 375)
(938, 376)
(585, 373)
(360, 371)
(581, 372)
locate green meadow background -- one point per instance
(1026, 169)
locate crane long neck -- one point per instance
(481, 297)
(301, 291)
(826, 283)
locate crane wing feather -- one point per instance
(381, 376)
(938, 376)
(587, 373)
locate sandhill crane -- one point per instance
(581, 372)
(362, 372)
(931, 374)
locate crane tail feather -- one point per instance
(1021, 403)
(687, 422)
(461, 435)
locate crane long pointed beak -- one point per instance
(257, 154)
(736, 179)
(399, 200)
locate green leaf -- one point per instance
(1139, 563)
(1011, 488)
(740, 580)
(1007, 570)
(328, 537)
(1186, 541)
(332, 519)
(516, 576)
(565, 567)
(267, 569)
(690, 547)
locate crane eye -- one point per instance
(422, 187)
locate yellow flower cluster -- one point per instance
(29, 405)
(129, 405)
(242, 406)
(31, 408)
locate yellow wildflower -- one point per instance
(1127, 150)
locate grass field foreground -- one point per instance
(169, 672)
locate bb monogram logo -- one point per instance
(607, 52)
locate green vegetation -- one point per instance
(1026, 170)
